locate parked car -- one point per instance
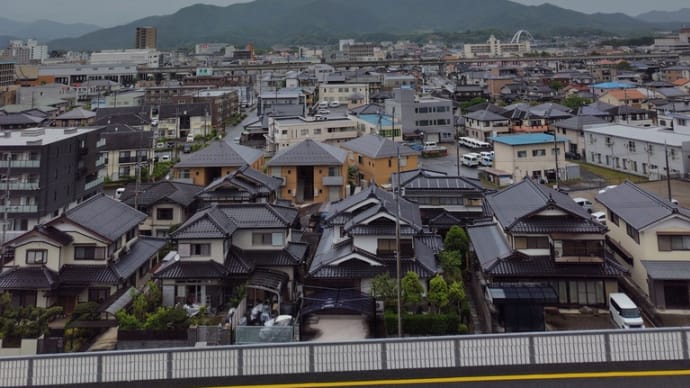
(334, 104)
(599, 217)
(585, 203)
(624, 312)
(165, 158)
(187, 148)
(573, 155)
(190, 138)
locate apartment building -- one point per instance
(47, 169)
(352, 95)
(146, 37)
(6, 72)
(286, 131)
(426, 116)
(282, 102)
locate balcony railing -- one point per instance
(21, 163)
(93, 183)
(101, 143)
(101, 161)
(20, 185)
(20, 208)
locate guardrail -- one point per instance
(368, 355)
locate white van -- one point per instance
(624, 311)
(487, 154)
(486, 161)
(118, 192)
(585, 203)
(470, 160)
(323, 104)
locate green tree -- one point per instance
(472, 102)
(623, 65)
(411, 289)
(384, 287)
(456, 294)
(451, 263)
(575, 102)
(556, 85)
(438, 292)
(457, 240)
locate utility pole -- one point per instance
(397, 244)
(668, 172)
(393, 129)
(6, 201)
(457, 142)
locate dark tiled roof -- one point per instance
(520, 266)
(490, 244)
(165, 111)
(21, 119)
(221, 154)
(152, 193)
(260, 215)
(426, 181)
(268, 258)
(45, 231)
(485, 115)
(192, 270)
(124, 137)
(580, 121)
(409, 211)
(375, 146)
(638, 207)
(75, 274)
(139, 253)
(208, 223)
(245, 179)
(511, 205)
(106, 216)
(309, 153)
(28, 278)
(565, 224)
(667, 270)
(444, 219)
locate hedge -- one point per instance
(423, 324)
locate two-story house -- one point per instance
(650, 236)
(311, 171)
(92, 252)
(242, 186)
(542, 237)
(444, 201)
(358, 242)
(217, 160)
(376, 158)
(531, 154)
(166, 204)
(485, 123)
(225, 246)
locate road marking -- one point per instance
(471, 379)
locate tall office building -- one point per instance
(146, 38)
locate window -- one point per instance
(273, 239)
(304, 132)
(184, 173)
(532, 243)
(522, 154)
(673, 242)
(633, 233)
(200, 249)
(631, 146)
(131, 234)
(387, 247)
(613, 217)
(539, 152)
(165, 213)
(591, 248)
(317, 131)
(333, 171)
(36, 256)
(89, 252)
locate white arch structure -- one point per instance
(521, 35)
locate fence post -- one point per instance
(684, 336)
(384, 356)
(99, 368)
(30, 372)
(169, 365)
(240, 362)
(311, 359)
(607, 346)
(532, 352)
(456, 351)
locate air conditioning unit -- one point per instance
(379, 306)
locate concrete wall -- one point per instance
(28, 347)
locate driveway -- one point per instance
(333, 328)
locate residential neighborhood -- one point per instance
(159, 197)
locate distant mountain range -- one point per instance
(267, 22)
(43, 30)
(681, 16)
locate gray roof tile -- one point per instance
(28, 278)
(638, 207)
(221, 154)
(309, 153)
(375, 146)
(106, 216)
(152, 193)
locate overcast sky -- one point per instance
(113, 12)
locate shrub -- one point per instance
(423, 324)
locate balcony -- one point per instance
(20, 185)
(21, 163)
(101, 143)
(131, 159)
(22, 209)
(93, 183)
(101, 161)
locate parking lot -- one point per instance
(680, 191)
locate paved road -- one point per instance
(448, 164)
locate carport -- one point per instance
(337, 300)
(520, 307)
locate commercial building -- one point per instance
(68, 74)
(7, 72)
(149, 57)
(637, 150)
(145, 38)
(426, 116)
(47, 169)
(494, 48)
(530, 154)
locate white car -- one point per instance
(334, 104)
(165, 158)
(599, 217)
